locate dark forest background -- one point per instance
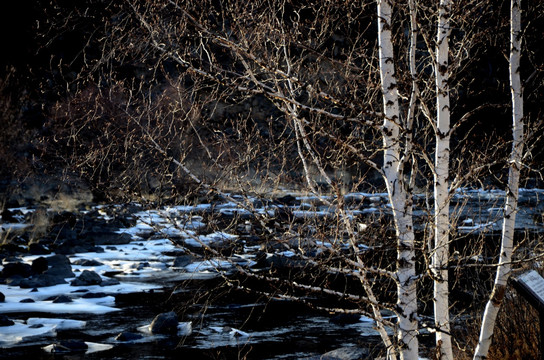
(55, 70)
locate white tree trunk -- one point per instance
(400, 199)
(511, 206)
(414, 95)
(441, 186)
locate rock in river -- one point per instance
(87, 262)
(5, 321)
(16, 269)
(128, 336)
(40, 265)
(59, 265)
(42, 280)
(62, 299)
(57, 269)
(183, 260)
(165, 323)
(87, 278)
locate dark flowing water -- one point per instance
(275, 330)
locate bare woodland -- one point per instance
(176, 100)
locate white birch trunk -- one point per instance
(511, 206)
(400, 199)
(441, 186)
(414, 94)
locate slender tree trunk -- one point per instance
(441, 186)
(510, 209)
(400, 199)
(414, 95)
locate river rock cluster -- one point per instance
(84, 262)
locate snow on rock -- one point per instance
(11, 335)
(35, 327)
(59, 324)
(77, 306)
(14, 295)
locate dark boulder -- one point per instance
(58, 260)
(59, 265)
(14, 246)
(8, 216)
(42, 280)
(14, 280)
(183, 260)
(39, 265)
(27, 300)
(38, 249)
(5, 321)
(128, 336)
(73, 246)
(87, 278)
(142, 265)
(165, 323)
(62, 299)
(87, 262)
(16, 269)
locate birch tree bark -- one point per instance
(400, 199)
(511, 206)
(441, 186)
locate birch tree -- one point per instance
(441, 185)
(511, 206)
(399, 196)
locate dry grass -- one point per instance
(516, 335)
(517, 330)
